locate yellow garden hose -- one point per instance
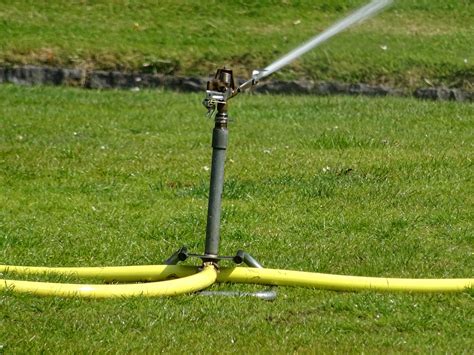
(134, 273)
(340, 282)
(193, 283)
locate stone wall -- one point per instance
(97, 79)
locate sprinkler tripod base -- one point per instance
(240, 257)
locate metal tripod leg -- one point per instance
(180, 255)
(265, 295)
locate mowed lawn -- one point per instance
(347, 185)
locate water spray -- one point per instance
(365, 12)
(171, 279)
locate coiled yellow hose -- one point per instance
(193, 283)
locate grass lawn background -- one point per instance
(377, 187)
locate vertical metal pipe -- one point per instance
(219, 146)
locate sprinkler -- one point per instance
(219, 90)
(171, 279)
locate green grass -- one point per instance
(379, 187)
(426, 42)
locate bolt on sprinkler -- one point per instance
(219, 90)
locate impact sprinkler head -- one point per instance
(219, 90)
(222, 88)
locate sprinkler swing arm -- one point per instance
(186, 279)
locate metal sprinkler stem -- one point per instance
(222, 84)
(219, 146)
